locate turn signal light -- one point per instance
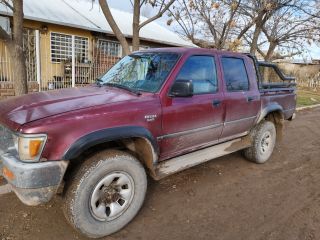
(7, 173)
(34, 147)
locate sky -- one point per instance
(125, 5)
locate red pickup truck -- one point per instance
(157, 111)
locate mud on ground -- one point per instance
(227, 198)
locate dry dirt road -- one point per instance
(227, 198)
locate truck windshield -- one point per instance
(140, 71)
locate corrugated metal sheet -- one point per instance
(85, 15)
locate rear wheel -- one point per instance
(105, 194)
(263, 142)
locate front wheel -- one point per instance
(105, 194)
(263, 142)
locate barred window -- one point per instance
(81, 48)
(61, 47)
(110, 48)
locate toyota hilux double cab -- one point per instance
(155, 112)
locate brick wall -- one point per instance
(6, 89)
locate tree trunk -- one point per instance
(135, 26)
(16, 48)
(255, 38)
(270, 52)
(116, 30)
(260, 21)
(20, 72)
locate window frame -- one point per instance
(111, 41)
(216, 70)
(246, 71)
(66, 34)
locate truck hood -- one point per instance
(17, 111)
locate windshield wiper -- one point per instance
(137, 92)
(99, 82)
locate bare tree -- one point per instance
(263, 12)
(210, 23)
(286, 32)
(14, 43)
(281, 26)
(161, 5)
(259, 12)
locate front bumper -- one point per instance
(33, 183)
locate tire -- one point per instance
(263, 142)
(94, 193)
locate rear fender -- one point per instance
(273, 107)
(274, 113)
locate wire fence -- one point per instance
(312, 82)
(307, 74)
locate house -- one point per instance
(69, 43)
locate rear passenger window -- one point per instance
(202, 71)
(235, 74)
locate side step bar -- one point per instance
(183, 162)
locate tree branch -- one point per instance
(261, 52)
(108, 15)
(142, 2)
(7, 4)
(285, 56)
(226, 27)
(158, 15)
(315, 15)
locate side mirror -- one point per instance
(182, 88)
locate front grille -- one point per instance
(6, 139)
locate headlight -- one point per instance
(29, 147)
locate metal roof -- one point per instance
(87, 15)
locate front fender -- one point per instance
(107, 135)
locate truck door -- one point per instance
(189, 123)
(242, 97)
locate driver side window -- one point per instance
(202, 71)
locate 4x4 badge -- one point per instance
(150, 118)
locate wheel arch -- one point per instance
(135, 139)
(274, 113)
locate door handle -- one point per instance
(250, 99)
(216, 103)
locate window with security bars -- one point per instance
(110, 48)
(61, 48)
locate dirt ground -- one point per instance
(227, 198)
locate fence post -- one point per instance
(38, 60)
(73, 62)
